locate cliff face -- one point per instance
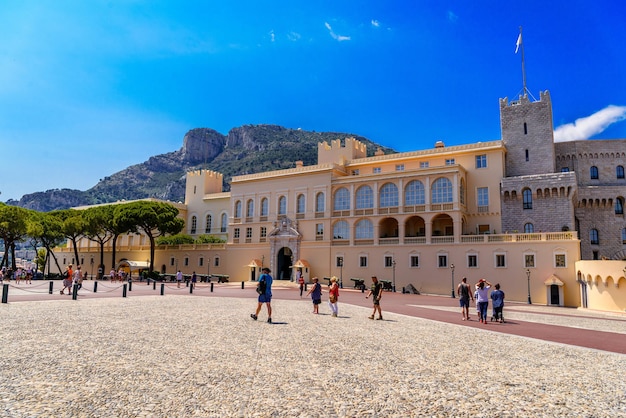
(245, 150)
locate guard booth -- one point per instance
(305, 267)
(255, 267)
(132, 268)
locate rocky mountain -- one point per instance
(244, 150)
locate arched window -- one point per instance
(250, 208)
(265, 207)
(593, 172)
(442, 191)
(619, 171)
(364, 229)
(527, 198)
(320, 205)
(593, 237)
(529, 228)
(238, 209)
(388, 195)
(341, 231)
(414, 193)
(342, 199)
(224, 226)
(301, 204)
(364, 198)
(282, 205)
(619, 206)
(207, 227)
(194, 224)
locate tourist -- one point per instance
(67, 280)
(194, 279)
(333, 296)
(463, 290)
(78, 278)
(377, 292)
(179, 277)
(265, 296)
(112, 275)
(476, 301)
(316, 295)
(497, 303)
(482, 300)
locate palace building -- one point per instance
(521, 211)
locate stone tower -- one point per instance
(527, 133)
(533, 197)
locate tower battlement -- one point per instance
(339, 153)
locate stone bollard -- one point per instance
(162, 289)
(95, 287)
(148, 281)
(5, 293)
(211, 287)
(242, 285)
(74, 291)
(362, 288)
(124, 290)
(153, 284)
(50, 287)
(130, 285)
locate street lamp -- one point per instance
(393, 274)
(91, 264)
(528, 278)
(452, 268)
(340, 260)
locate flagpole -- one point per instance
(525, 90)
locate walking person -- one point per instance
(77, 279)
(376, 291)
(333, 296)
(463, 290)
(482, 300)
(179, 277)
(67, 280)
(316, 295)
(497, 303)
(265, 296)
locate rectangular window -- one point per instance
(186, 261)
(355, 172)
(263, 232)
(172, 261)
(483, 229)
(559, 260)
(450, 161)
(500, 260)
(399, 167)
(248, 232)
(529, 260)
(339, 261)
(564, 169)
(388, 261)
(482, 196)
(376, 170)
(424, 164)
(201, 261)
(442, 261)
(481, 161)
(216, 262)
(319, 230)
(236, 234)
(415, 261)
(362, 261)
(472, 261)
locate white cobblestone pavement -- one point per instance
(178, 356)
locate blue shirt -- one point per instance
(497, 296)
(317, 291)
(268, 283)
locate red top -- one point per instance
(334, 290)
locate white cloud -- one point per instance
(452, 17)
(334, 35)
(294, 36)
(375, 23)
(585, 128)
(272, 36)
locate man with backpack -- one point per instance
(265, 295)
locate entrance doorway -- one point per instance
(554, 295)
(284, 260)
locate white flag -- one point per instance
(518, 43)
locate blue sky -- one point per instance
(88, 88)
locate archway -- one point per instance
(284, 261)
